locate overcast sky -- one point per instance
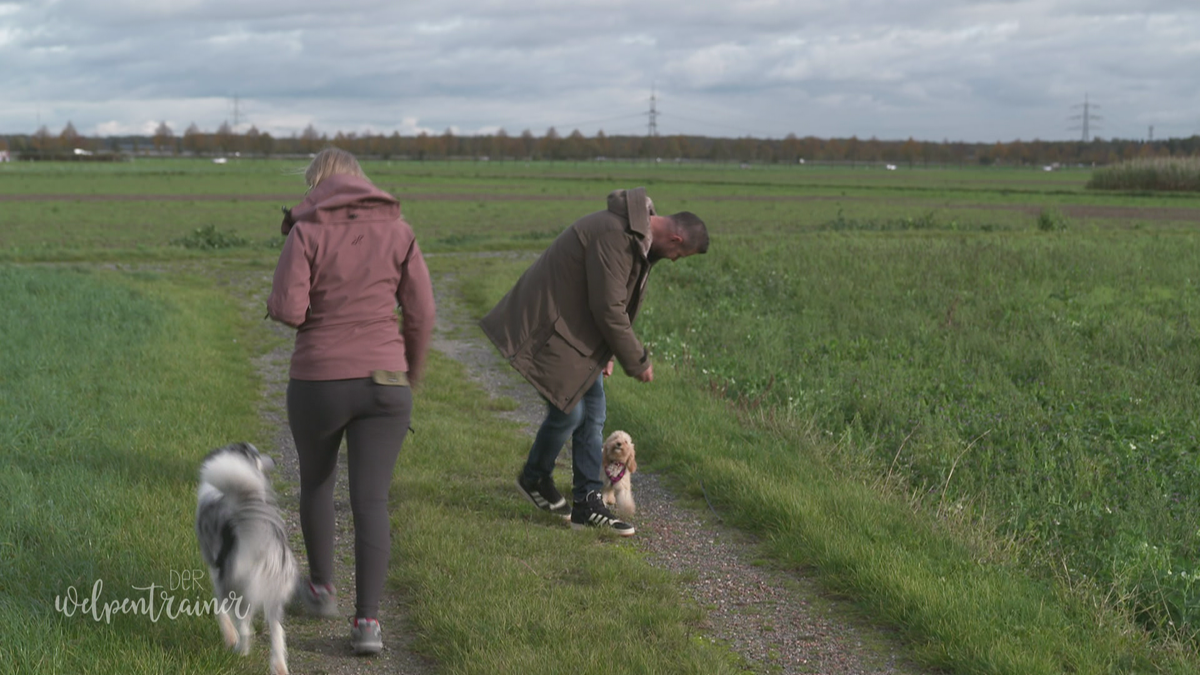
(931, 69)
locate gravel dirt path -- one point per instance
(318, 646)
(778, 622)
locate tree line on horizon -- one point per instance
(552, 146)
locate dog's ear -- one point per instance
(632, 464)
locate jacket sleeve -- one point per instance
(288, 302)
(608, 262)
(417, 311)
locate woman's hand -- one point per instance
(286, 225)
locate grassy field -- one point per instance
(1047, 381)
(978, 427)
(56, 212)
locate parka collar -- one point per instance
(636, 207)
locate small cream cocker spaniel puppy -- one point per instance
(617, 462)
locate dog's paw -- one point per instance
(279, 667)
(228, 632)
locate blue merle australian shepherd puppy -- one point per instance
(245, 546)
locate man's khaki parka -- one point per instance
(573, 309)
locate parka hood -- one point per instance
(341, 191)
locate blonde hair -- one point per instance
(330, 162)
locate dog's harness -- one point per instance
(619, 476)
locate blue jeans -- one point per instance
(584, 425)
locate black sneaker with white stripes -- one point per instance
(544, 495)
(592, 512)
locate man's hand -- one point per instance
(646, 375)
(608, 368)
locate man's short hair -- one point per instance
(695, 234)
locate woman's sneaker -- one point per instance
(544, 495)
(365, 636)
(317, 600)
(591, 512)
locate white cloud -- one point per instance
(113, 128)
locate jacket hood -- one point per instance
(340, 191)
(636, 207)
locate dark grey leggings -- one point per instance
(374, 420)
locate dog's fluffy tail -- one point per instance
(232, 474)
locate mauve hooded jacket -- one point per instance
(348, 261)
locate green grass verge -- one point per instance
(112, 387)
(1070, 359)
(959, 608)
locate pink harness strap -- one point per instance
(619, 476)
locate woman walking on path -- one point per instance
(349, 259)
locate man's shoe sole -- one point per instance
(621, 533)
